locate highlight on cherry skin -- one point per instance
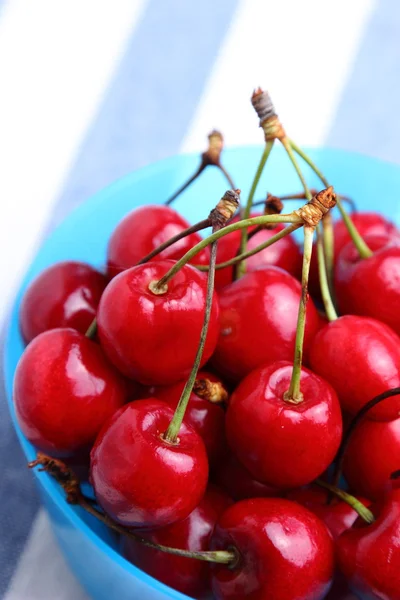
(214, 379)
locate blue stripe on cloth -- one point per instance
(366, 120)
(143, 117)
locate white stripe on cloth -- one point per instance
(302, 52)
(56, 61)
(42, 573)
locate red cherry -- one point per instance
(338, 516)
(285, 552)
(369, 556)
(372, 456)
(143, 230)
(259, 320)
(187, 575)
(371, 286)
(154, 338)
(64, 391)
(232, 477)
(367, 223)
(207, 418)
(284, 254)
(64, 295)
(283, 444)
(360, 357)
(140, 479)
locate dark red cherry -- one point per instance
(360, 357)
(154, 338)
(236, 480)
(64, 391)
(139, 478)
(371, 286)
(143, 230)
(372, 456)
(367, 223)
(285, 552)
(206, 417)
(258, 322)
(337, 515)
(369, 555)
(64, 295)
(284, 254)
(187, 575)
(283, 444)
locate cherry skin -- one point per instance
(360, 357)
(285, 552)
(153, 338)
(236, 480)
(367, 223)
(64, 391)
(371, 286)
(143, 230)
(187, 575)
(283, 444)
(64, 295)
(207, 418)
(338, 516)
(284, 254)
(139, 478)
(372, 456)
(369, 556)
(258, 322)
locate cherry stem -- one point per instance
(241, 269)
(171, 435)
(289, 150)
(329, 247)
(353, 424)
(187, 183)
(227, 176)
(358, 506)
(92, 329)
(323, 281)
(302, 196)
(233, 261)
(261, 220)
(363, 250)
(294, 394)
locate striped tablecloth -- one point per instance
(91, 90)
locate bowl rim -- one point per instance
(44, 479)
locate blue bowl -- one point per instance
(90, 549)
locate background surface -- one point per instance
(93, 89)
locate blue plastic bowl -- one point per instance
(89, 548)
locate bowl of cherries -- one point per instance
(205, 380)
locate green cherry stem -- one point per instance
(288, 147)
(358, 506)
(323, 280)
(294, 394)
(358, 241)
(241, 269)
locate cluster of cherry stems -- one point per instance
(224, 483)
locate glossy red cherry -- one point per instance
(143, 230)
(64, 295)
(371, 286)
(360, 357)
(284, 254)
(258, 322)
(338, 515)
(139, 478)
(64, 391)
(206, 417)
(236, 480)
(372, 456)
(285, 552)
(367, 223)
(154, 338)
(369, 556)
(187, 575)
(283, 444)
